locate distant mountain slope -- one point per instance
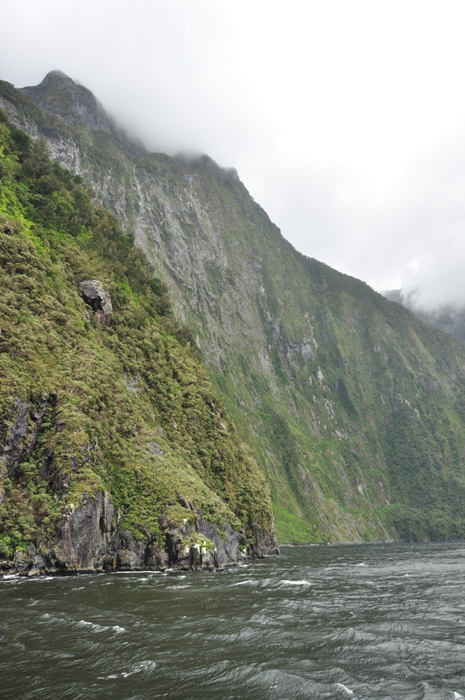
(115, 448)
(449, 318)
(354, 407)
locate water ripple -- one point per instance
(363, 622)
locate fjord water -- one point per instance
(368, 621)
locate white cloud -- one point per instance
(345, 120)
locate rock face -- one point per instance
(14, 437)
(90, 539)
(99, 299)
(19, 431)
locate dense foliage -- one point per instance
(127, 408)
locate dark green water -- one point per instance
(374, 621)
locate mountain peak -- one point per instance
(61, 96)
(57, 74)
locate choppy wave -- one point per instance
(270, 583)
(318, 623)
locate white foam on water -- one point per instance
(361, 564)
(38, 579)
(345, 688)
(133, 572)
(140, 667)
(287, 582)
(58, 619)
(457, 696)
(100, 628)
(247, 582)
(92, 626)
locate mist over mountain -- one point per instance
(359, 162)
(449, 318)
(350, 404)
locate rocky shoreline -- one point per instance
(90, 540)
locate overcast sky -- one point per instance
(344, 118)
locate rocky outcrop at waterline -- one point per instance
(89, 540)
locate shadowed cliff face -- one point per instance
(353, 407)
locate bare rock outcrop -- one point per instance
(98, 299)
(19, 432)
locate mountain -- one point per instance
(115, 448)
(353, 407)
(449, 318)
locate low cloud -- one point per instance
(354, 149)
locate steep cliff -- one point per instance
(115, 448)
(353, 407)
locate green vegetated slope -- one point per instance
(354, 408)
(126, 409)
